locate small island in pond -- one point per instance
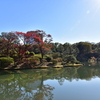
(35, 49)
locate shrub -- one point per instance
(54, 61)
(5, 61)
(48, 58)
(59, 59)
(69, 58)
(55, 55)
(34, 60)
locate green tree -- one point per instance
(70, 58)
(70, 49)
(60, 49)
(84, 47)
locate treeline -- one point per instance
(81, 50)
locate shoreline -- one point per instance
(40, 67)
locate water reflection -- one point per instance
(29, 84)
(24, 85)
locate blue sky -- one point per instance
(66, 20)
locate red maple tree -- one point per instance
(42, 40)
(39, 38)
(20, 42)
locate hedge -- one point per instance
(5, 61)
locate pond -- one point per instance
(70, 83)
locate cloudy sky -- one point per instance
(66, 20)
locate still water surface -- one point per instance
(73, 83)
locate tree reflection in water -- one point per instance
(29, 84)
(24, 86)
